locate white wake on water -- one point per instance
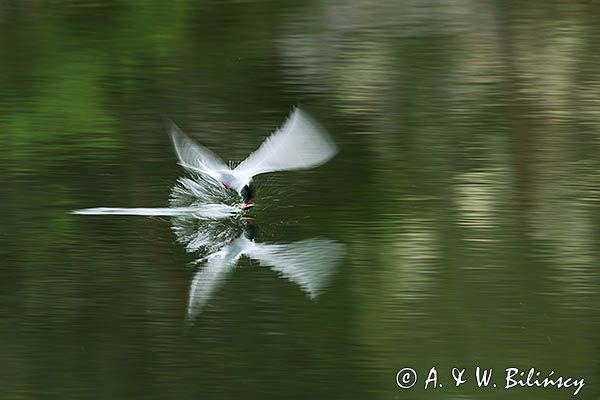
(197, 197)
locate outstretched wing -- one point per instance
(208, 280)
(194, 157)
(300, 143)
(308, 263)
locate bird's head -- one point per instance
(247, 193)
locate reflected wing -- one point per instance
(300, 143)
(208, 279)
(194, 157)
(308, 263)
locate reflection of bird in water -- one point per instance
(307, 263)
(209, 230)
(299, 144)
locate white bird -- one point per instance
(307, 263)
(299, 144)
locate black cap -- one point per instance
(246, 193)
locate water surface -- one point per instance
(465, 196)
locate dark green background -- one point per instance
(466, 192)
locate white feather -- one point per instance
(206, 281)
(194, 157)
(299, 144)
(308, 263)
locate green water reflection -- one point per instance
(465, 193)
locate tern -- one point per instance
(300, 143)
